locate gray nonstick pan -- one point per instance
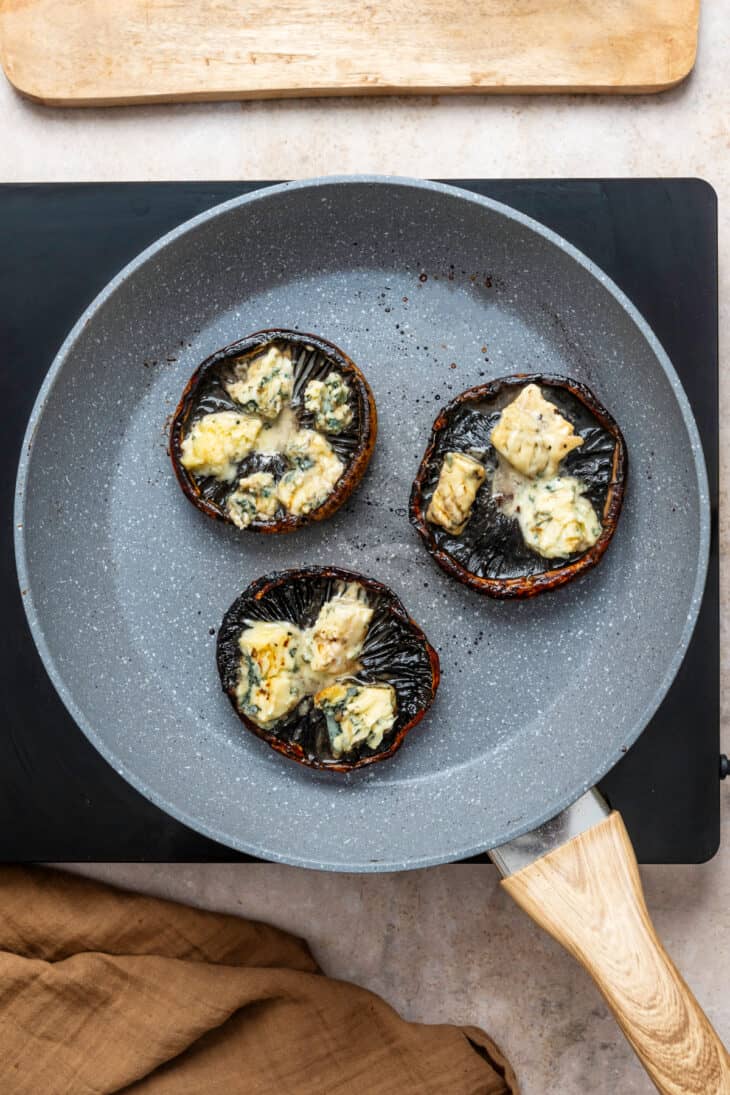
(431, 291)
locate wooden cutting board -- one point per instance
(91, 52)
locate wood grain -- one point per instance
(98, 52)
(587, 895)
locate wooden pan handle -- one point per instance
(587, 894)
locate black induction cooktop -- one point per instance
(60, 244)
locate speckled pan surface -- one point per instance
(431, 291)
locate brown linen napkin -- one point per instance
(103, 991)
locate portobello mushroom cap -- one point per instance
(395, 652)
(489, 553)
(313, 359)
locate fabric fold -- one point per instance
(104, 991)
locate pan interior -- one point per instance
(430, 292)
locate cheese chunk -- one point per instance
(327, 400)
(533, 435)
(554, 517)
(218, 442)
(459, 480)
(270, 683)
(314, 475)
(357, 713)
(336, 640)
(268, 384)
(254, 497)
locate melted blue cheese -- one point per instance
(555, 519)
(533, 435)
(328, 401)
(459, 480)
(314, 474)
(336, 640)
(276, 434)
(270, 681)
(356, 713)
(253, 499)
(268, 384)
(218, 442)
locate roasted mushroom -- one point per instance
(273, 432)
(521, 485)
(326, 666)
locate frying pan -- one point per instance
(430, 290)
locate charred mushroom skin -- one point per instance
(314, 358)
(490, 555)
(395, 652)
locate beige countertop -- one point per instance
(444, 944)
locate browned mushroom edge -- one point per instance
(354, 445)
(395, 652)
(606, 488)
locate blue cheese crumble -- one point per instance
(328, 401)
(268, 384)
(269, 685)
(315, 471)
(218, 442)
(254, 499)
(356, 713)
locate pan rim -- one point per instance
(334, 181)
